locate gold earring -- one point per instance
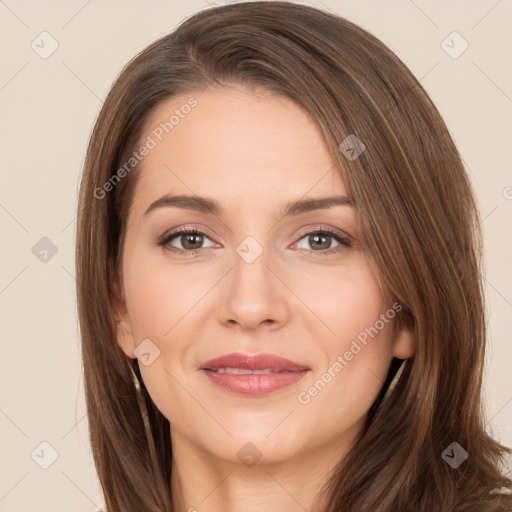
(396, 378)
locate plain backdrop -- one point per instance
(49, 102)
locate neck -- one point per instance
(202, 481)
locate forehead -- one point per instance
(233, 143)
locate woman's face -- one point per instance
(256, 277)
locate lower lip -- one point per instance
(254, 384)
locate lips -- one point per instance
(253, 375)
(243, 364)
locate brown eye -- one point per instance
(185, 240)
(191, 240)
(320, 241)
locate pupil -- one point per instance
(313, 239)
(189, 241)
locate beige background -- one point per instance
(48, 107)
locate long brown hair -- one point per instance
(418, 219)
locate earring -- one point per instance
(396, 378)
(135, 379)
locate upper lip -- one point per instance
(253, 362)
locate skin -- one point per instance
(252, 152)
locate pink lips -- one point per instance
(231, 372)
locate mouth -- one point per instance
(258, 363)
(253, 375)
(246, 371)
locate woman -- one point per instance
(280, 301)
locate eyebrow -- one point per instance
(211, 206)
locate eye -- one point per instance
(321, 239)
(189, 240)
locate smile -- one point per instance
(253, 382)
(245, 371)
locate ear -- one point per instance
(125, 337)
(404, 345)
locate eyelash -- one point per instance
(165, 239)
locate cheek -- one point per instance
(357, 344)
(164, 303)
(151, 307)
(354, 371)
(346, 300)
(158, 301)
(159, 295)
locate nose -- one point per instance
(253, 295)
